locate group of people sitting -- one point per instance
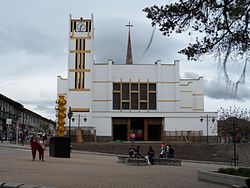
(166, 151)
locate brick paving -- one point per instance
(85, 169)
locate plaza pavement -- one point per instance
(95, 170)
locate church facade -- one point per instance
(117, 99)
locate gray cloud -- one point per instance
(31, 40)
(220, 90)
(44, 106)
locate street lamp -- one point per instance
(207, 118)
(79, 119)
(235, 157)
(70, 114)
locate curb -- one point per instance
(20, 185)
(212, 176)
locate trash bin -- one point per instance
(59, 146)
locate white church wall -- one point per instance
(78, 99)
(103, 125)
(100, 106)
(198, 101)
(88, 61)
(167, 92)
(166, 97)
(62, 85)
(71, 59)
(79, 120)
(198, 85)
(100, 91)
(100, 73)
(88, 80)
(166, 106)
(134, 73)
(168, 73)
(186, 102)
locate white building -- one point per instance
(116, 99)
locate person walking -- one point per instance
(1, 137)
(132, 137)
(40, 149)
(33, 145)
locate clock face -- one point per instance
(81, 27)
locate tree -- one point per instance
(238, 116)
(223, 27)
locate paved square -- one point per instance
(91, 170)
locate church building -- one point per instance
(118, 99)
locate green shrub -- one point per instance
(233, 171)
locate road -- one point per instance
(90, 170)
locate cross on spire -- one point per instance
(129, 59)
(129, 25)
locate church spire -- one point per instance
(129, 59)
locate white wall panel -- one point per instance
(103, 126)
(62, 85)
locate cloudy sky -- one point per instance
(34, 41)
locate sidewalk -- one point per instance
(85, 169)
(7, 144)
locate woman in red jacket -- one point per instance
(33, 145)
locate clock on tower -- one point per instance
(81, 26)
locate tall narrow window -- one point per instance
(134, 96)
(125, 91)
(143, 91)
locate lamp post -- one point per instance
(70, 114)
(207, 118)
(235, 158)
(79, 118)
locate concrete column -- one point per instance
(129, 127)
(146, 129)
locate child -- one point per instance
(40, 149)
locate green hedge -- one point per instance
(234, 171)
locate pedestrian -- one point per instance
(33, 144)
(40, 149)
(132, 137)
(1, 137)
(22, 137)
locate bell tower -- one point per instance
(80, 63)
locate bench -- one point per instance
(157, 161)
(132, 161)
(136, 161)
(167, 161)
(122, 158)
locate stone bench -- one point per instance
(157, 161)
(122, 158)
(132, 161)
(136, 161)
(167, 161)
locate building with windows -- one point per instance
(117, 99)
(15, 118)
